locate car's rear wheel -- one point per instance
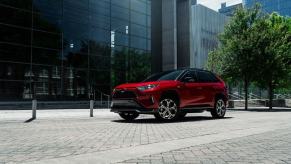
(168, 109)
(129, 116)
(219, 109)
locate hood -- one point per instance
(134, 85)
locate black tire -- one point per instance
(129, 116)
(219, 109)
(168, 110)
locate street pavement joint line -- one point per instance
(122, 154)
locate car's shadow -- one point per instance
(156, 121)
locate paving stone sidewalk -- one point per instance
(271, 147)
(57, 136)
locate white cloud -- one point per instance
(215, 4)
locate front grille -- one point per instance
(123, 94)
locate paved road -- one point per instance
(72, 137)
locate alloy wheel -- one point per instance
(168, 109)
(220, 108)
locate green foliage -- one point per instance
(233, 58)
(255, 48)
(275, 49)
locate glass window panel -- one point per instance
(99, 35)
(48, 23)
(75, 83)
(46, 81)
(51, 7)
(78, 16)
(138, 18)
(13, 71)
(139, 43)
(100, 21)
(76, 60)
(122, 3)
(119, 25)
(14, 53)
(99, 7)
(15, 35)
(75, 45)
(75, 30)
(77, 5)
(14, 90)
(46, 57)
(138, 30)
(139, 65)
(139, 6)
(99, 49)
(119, 12)
(121, 39)
(99, 62)
(22, 4)
(15, 16)
(119, 57)
(99, 78)
(47, 40)
(76, 11)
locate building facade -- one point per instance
(183, 34)
(283, 7)
(229, 10)
(171, 29)
(63, 50)
(206, 25)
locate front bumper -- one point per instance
(129, 105)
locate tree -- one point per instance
(236, 55)
(275, 49)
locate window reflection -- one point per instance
(60, 49)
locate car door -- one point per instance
(191, 91)
(206, 83)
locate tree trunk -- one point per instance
(246, 86)
(271, 89)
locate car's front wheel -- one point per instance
(219, 109)
(129, 116)
(168, 109)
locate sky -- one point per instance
(215, 4)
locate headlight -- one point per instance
(147, 87)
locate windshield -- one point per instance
(168, 75)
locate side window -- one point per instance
(189, 77)
(206, 77)
(214, 78)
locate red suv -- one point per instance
(172, 94)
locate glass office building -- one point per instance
(63, 50)
(283, 7)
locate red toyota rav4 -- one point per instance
(172, 94)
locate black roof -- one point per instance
(196, 69)
(185, 69)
